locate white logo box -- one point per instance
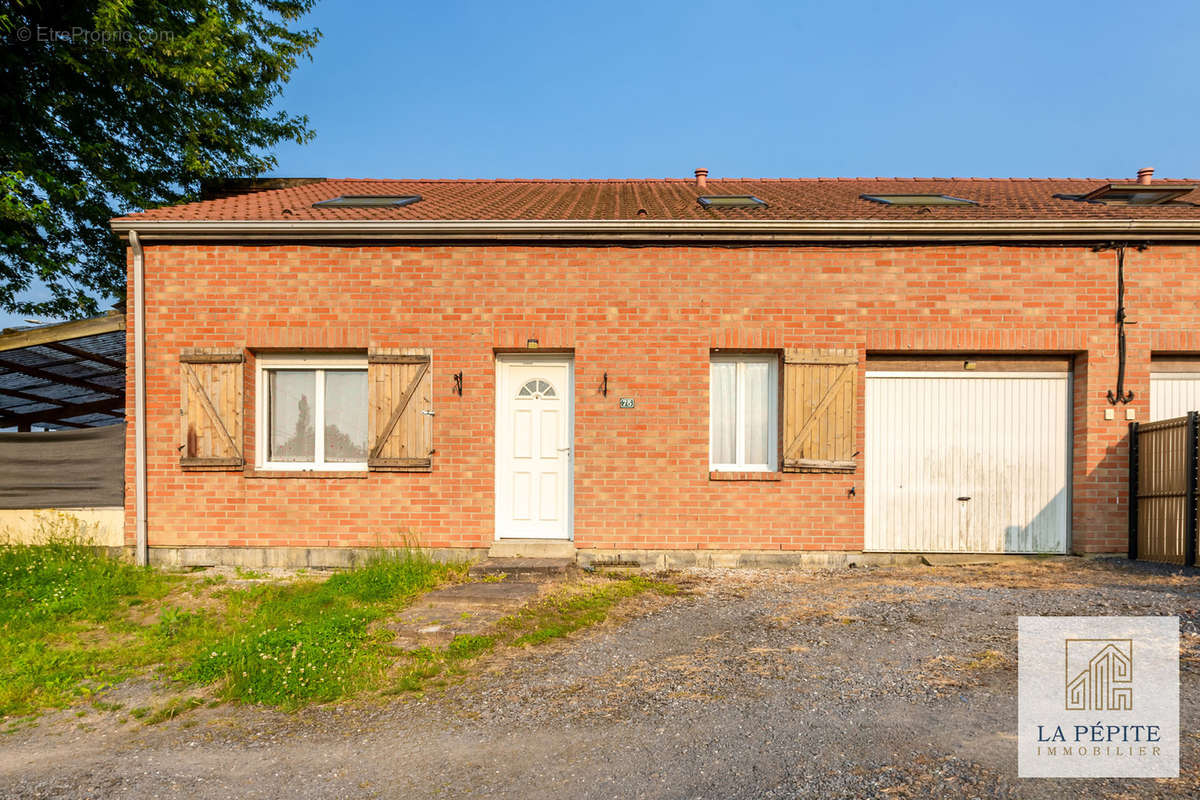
(1098, 697)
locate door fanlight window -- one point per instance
(537, 389)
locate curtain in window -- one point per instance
(293, 432)
(756, 385)
(723, 396)
(346, 416)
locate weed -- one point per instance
(426, 665)
(173, 709)
(559, 615)
(249, 574)
(312, 641)
(60, 601)
(139, 712)
(989, 660)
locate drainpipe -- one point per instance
(139, 393)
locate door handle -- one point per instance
(968, 497)
(566, 449)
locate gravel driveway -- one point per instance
(857, 683)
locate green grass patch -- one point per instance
(313, 641)
(567, 612)
(64, 611)
(550, 618)
(74, 622)
(433, 667)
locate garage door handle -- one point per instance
(965, 498)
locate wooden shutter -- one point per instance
(211, 409)
(400, 423)
(820, 394)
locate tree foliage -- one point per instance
(111, 106)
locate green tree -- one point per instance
(111, 106)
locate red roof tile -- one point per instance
(675, 199)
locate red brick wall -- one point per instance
(648, 316)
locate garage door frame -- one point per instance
(934, 541)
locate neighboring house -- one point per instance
(661, 370)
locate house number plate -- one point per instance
(627, 402)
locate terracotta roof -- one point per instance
(675, 199)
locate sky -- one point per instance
(757, 89)
(747, 89)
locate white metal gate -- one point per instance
(968, 462)
(1173, 394)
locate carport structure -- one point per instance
(67, 375)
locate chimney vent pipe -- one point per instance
(701, 178)
(1145, 175)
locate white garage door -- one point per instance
(968, 462)
(1173, 394)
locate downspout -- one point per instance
(142, 544)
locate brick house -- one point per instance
(668, 371)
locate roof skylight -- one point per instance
(370, 200)
(731, 201)
(1135, 194)
(917, 200)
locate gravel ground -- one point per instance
(858, 683)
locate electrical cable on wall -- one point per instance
(1120, 395)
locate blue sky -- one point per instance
(1047, 89)
(760, 89)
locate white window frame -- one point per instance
(741, 359)
(321, 364)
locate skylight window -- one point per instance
(370, 200)
(1134, 194)
(917, 200)
(731, 201)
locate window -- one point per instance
(917, 200)
(1133, 194)
(537, 389)
(743, 412)
(730, 201)
(370, 200)
(312, 413)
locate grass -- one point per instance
(63, 621)
(553, 617)
(567, 612)
(295, 644)
(73, 623)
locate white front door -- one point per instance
(534, 446)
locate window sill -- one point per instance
(745, 476)
(306, 473)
